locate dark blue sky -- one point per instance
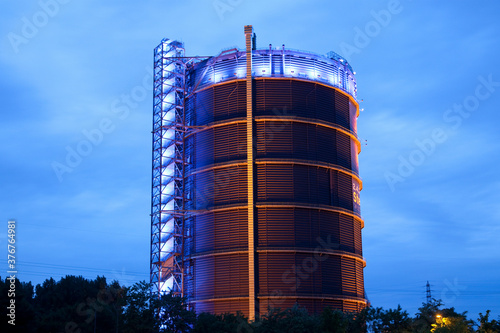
(76, 119)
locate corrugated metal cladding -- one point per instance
(308, 225)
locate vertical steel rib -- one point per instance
(249, 121)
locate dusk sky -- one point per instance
(76, 120)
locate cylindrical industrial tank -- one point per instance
(306, 184)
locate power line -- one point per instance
(48, 265)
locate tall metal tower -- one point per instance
(428, 294)
(168, 195)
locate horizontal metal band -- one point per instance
(218, 166)
(281, 205)
(314, 296)
(336, 253)
(237, 298)
(311, 163)
(310, 121)
(218, 253)
(281, 161)
(218, 84)
(352, 99)
(220, 208)
(312, 206)
(238, 120)
(323, 297)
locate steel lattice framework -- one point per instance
(168, 195)
(170, 208)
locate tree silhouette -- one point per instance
(76, 304)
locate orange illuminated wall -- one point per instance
(308, 225)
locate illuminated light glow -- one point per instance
(167, 174)
(166, 160)
(165, 218)
(167, 247)
(167, 241)
(169, 152)
(168, 189)
(169, 99)
(167, 228)
(169, 116)
(167, 286)
(331, 71)
(168, 205)
(168, 134)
